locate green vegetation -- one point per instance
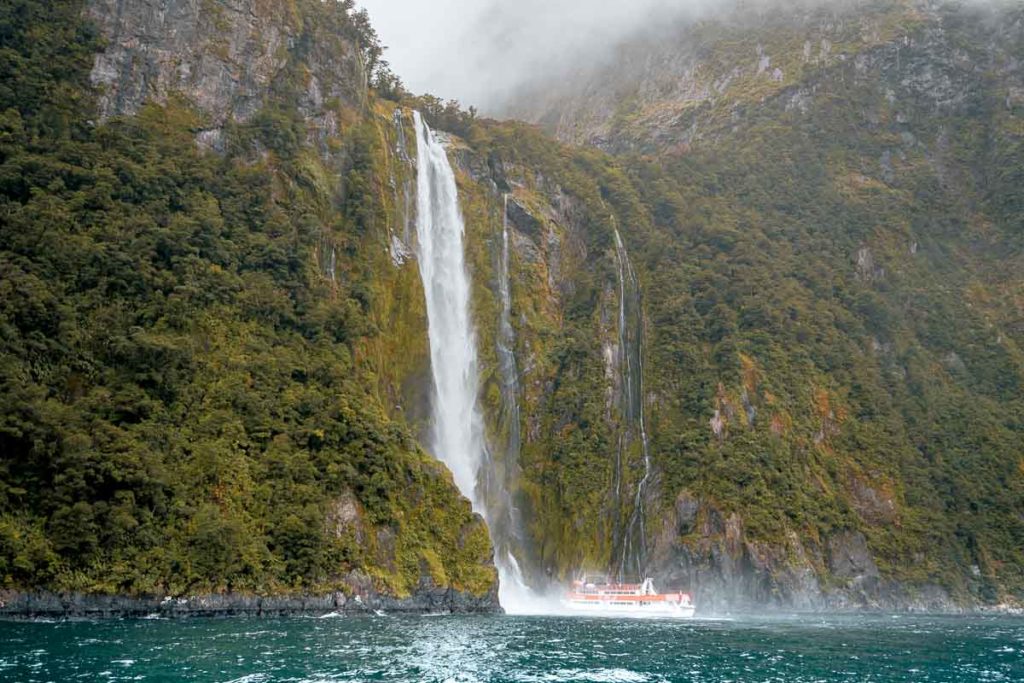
(211, 370)
(840, 285)
(848, 273)
(180, 408)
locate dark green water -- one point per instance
(517, 649)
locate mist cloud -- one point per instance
(481, 51)
(477, 51)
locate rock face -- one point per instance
(717, 549)
(296, 65)
(726, 571)
(428, 599)
(850, 559)
(688, 83)
(224, 58)
(710, 553)
(730, 95)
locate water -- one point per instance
(507, 344)
(528, 649)
(457, 437)
(399, 246)
(458, 426)
(506, 524)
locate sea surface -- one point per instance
(445, 648)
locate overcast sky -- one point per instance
(475, 50)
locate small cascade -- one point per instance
(508, 526)
(408, 214)
(631, 368)
(327, 258)
(458, 426)
(402, 144)
(400, 243)
(507, 343)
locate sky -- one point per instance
(477, 51)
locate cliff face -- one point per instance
(210, 416)
(819, 190)
(228, 59)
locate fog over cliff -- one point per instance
(477, 52)
(482, 51)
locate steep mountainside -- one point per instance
(761, 336)
(187, 404)
(830, 258)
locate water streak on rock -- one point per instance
(631, 366)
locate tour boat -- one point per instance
(598, 595)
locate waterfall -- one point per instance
(458, 436)
(631, 367)
(508, 529)
(332, 264)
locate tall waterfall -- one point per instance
(631, 355)
(458, 436)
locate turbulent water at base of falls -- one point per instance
(458, 437)
(634, 537)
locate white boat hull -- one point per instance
(653, 609)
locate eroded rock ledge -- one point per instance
(18, 605)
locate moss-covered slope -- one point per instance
(189, 402)
(830, 257)
(214, 361)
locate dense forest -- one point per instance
(180, 409)
(830, 256)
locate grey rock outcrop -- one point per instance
(225, 58)
(710, 556)
(361, 599)
(708, 553)
(849, 557)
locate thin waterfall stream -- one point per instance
(631, 366)
(507, 340)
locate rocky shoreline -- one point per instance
(15, 605)
(50, 605)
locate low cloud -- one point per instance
(481, 51)
(478, 51)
